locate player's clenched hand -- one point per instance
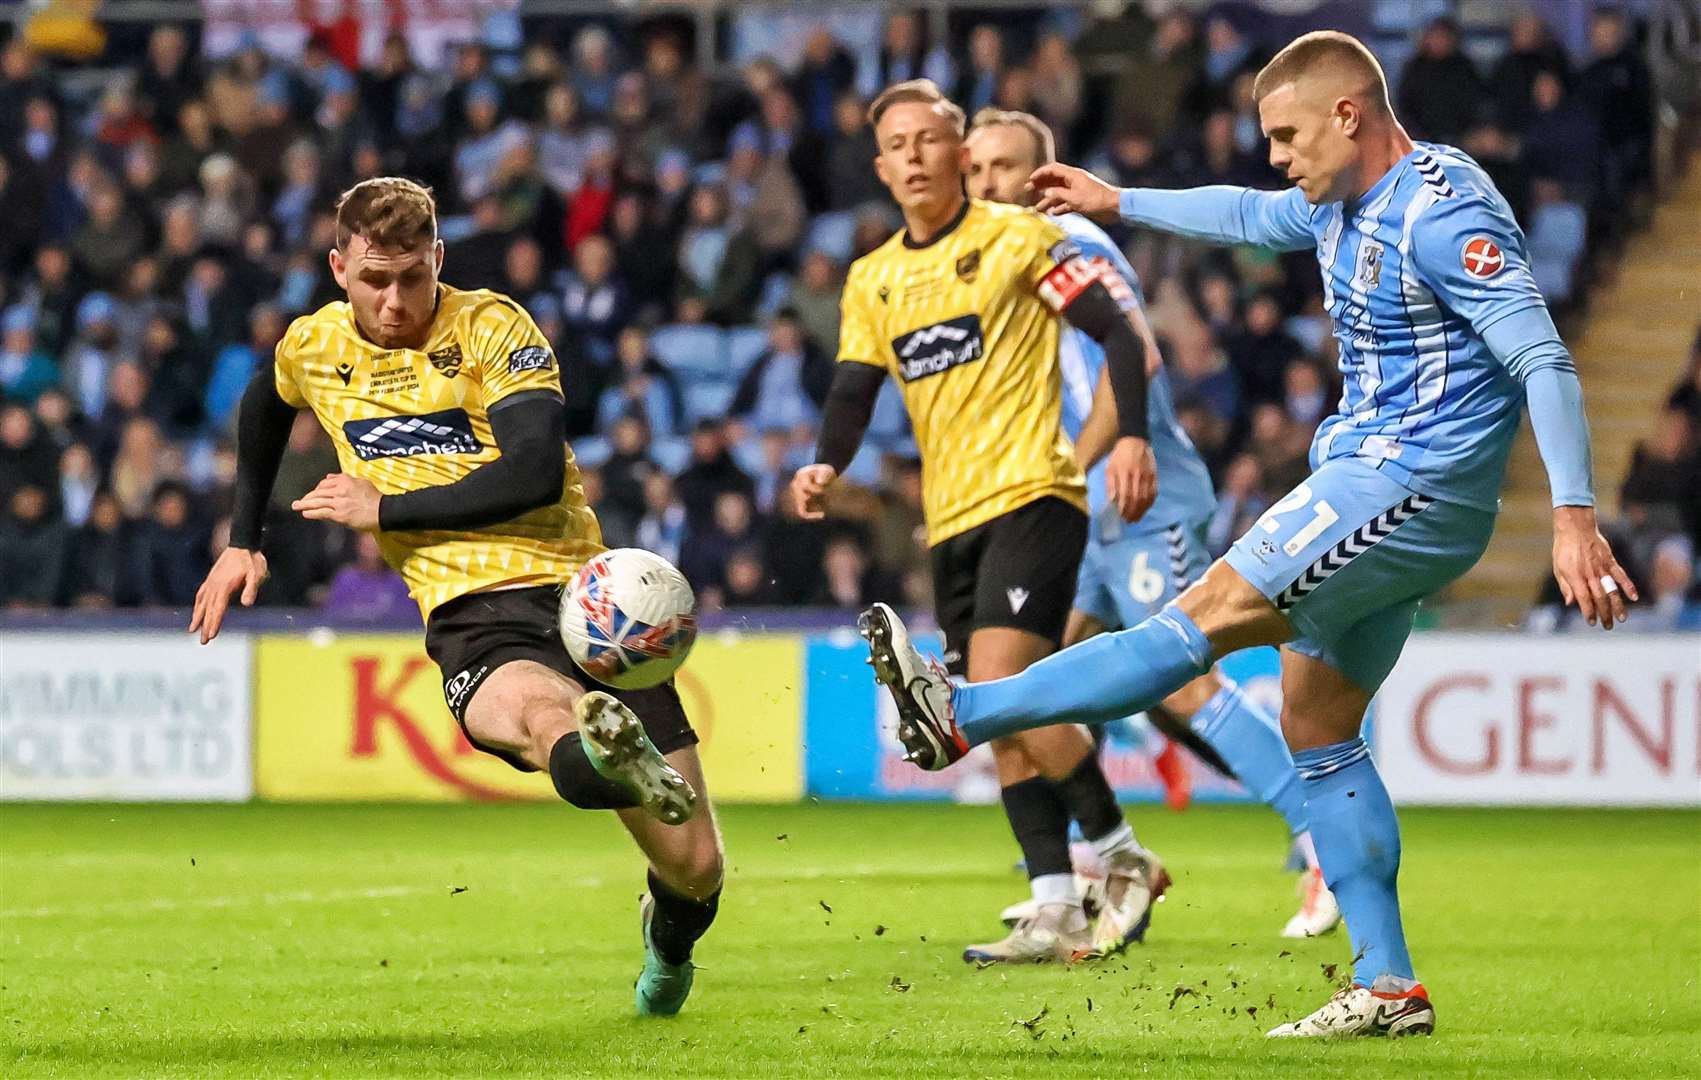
(809, 487)
(1062, 189)
(347, 500)
(1583, 563)
(236, 568)
(1131, 477)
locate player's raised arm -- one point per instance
(1220, 214)
(1471, 255)
(262, 432)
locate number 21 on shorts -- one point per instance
(1322, 516)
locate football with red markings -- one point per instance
(629, 618)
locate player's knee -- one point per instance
(698, 870)
(1231, 612)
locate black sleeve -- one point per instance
(844, 420)
(530, 429)
(263, 420)
(1097, 314)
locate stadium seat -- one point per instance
(707, 398)
(864, 469)
(834, 234)
(671, 453)
(691, 350)
(776, 291)
(743, 345)
(1558, 232)
(591, 451)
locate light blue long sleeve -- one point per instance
(1528, 344)
(1224, 215)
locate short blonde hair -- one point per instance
(922, 91)
(390, 211)
(1045, 146)
(1320, 49)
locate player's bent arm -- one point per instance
(531, 430)
(1528, 345)
(847, 411)
(1222, 214)
(263, 420)
(1096, 313)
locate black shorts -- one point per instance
(472, 635)
(1017, 570)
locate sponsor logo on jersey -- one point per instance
(455, 691)
(1017, 597)
(885, 294)
(345, 372)
(446, 432)
(1482, 257)
(940, 347)
(529, 358)
(446, 361)
(968, 267)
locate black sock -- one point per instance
(578, 781)
(679, 920)
(1089, 799)
(1041, 824)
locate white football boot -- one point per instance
(1318, 913)
(1135, 879)
(1055, 933)
(1382, 1008)
(920, 687)
(1089, 886)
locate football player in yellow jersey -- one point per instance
(446, 410)
(962, 308)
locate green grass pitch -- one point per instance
(260, 941)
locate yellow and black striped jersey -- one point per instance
(412, 418)
(967, 324)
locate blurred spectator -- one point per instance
(1558, 231)
(662, 528)
(522, 278)
(904, 54)
(747, 581)
(1617, 90)
(1152, 90)
(477, 260)
(977, 83)
(1663, 489)
(25, 369)
(176, 377)
(33, 547)
(625, 476)
(97, 569)
(900, 529)
(1262, 354)
(1496, 149)
(1670, 603)
(787, 385)
(594, 69)
(27, 458)
(1563, 141)
(732, 526)
(594, 299)
(1241, 501)
(1058, 88)
(110, 240)
(171, 553)
(1305, 395)
(563, 144)
(847, 580)
(1687, 394)
(52, 296)
(711, 473)
(641, 385)
(1228, 55)
(236, 363)
(850, 176)
(643, 249)
(826, 72)
(368, 590)
(57, 418)
(1532, 51)
(137, 467)
(79, 480)
(718, 267)
(1200, 372)
(1281, 446)
(89, 361)
(588, 208)
(815, 299)
(1440, 89)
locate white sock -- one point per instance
(1117, 840)
(1055, 889)
(1307, 850)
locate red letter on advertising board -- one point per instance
(373, 703)
(1426, 746)
(1530, 721)
(1660, 754)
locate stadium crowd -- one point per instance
(680, 235)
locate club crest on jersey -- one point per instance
(1369, 265)
(968, 267)
(937, 348)
(446, 361)
(1482, 257)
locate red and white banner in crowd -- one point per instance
(356, 29)
(1514, 719)
(145, 717)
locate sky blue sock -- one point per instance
(1358, 846)
(1247, 738)
(1103, 678)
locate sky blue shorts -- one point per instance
(1129, 576)
(1349, 555)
